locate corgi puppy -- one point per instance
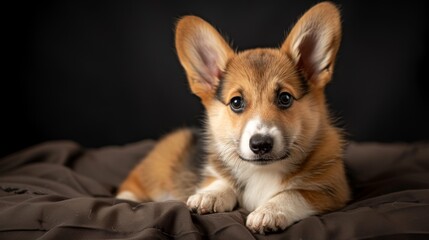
(268, 145)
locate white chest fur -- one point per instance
(260, 185)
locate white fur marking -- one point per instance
(260, 187)
(250, 129)
(127, 195)
(256, 126)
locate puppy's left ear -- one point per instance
(314, 41)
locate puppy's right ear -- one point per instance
(314, 41)
(203, 54)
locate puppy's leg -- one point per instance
(158, 176)
(279, 212)
(217, 196)
(133, 189)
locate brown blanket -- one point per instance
(59, 190)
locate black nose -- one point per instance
(261, 144)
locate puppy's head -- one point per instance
(263, 105)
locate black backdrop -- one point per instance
(105, 72)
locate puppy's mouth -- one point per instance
(265, 160)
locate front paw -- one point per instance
(211, 202)
(267, 219)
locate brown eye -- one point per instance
(237, 104)
(284, 100)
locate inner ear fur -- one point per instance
(203, 53)
(314, 41)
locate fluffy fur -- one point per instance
(269, 145)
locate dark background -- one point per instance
(105, 72)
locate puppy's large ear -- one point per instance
(203, 53)
(314, 41)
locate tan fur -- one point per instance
(306, 174)
(322, 175)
